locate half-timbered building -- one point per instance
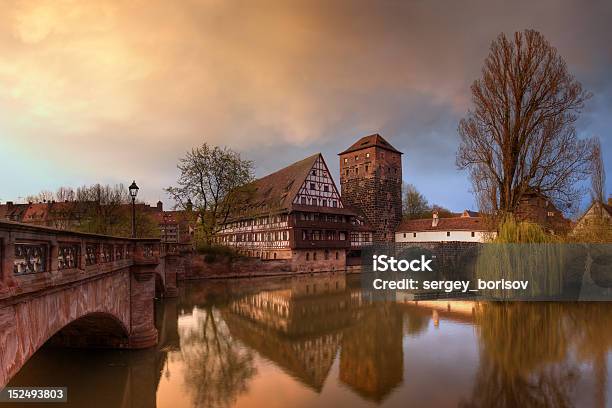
(296, 214)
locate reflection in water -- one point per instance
(322, 341)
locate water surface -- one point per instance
(321, 341)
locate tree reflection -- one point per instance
(530, 353)
(217, 369)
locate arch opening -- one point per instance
(97, 330)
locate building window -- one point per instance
(356, 170)
(312, 186)
(326, 254)
(550, 214)
(473, 234)
(308, 256)
(303, 200)
(314, 172)
(366, 168)
(367, 155)
(404, 235)
(334, 204)
(414, 235)
(345, 160)
(324, 203)
(357, 158)
(347, 172)
(336, 258)
(326, 188)
(314, 256)
(448, 233)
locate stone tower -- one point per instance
(371, 182)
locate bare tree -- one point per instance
(598, 173)
(212, 183)
(520, 134)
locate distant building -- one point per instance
(371, 181)
(537, 208)
(296, 214)
(469, 227)
(12, 212)
(598, 213)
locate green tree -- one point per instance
(415, 204)
(213, 182)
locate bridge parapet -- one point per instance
(33, 257)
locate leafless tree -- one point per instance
(598, 173)
(520, 133)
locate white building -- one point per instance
(469, 227)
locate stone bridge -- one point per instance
(77, 289)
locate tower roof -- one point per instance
(371, 141)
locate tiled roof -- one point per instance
(445, 224)
(276, 191)
(370, 141)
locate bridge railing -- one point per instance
(32, 257)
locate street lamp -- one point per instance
(133, 193)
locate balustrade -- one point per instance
(30, 258)
(26, 251)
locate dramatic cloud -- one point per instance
(113, 90)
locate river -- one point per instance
(322, 341)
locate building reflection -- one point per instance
(371, 360)
(302, 327)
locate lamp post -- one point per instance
(133, 193)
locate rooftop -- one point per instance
(371, 141)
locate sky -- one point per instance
(111, 91)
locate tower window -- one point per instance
(448, 233)
(367, 155)
(473, 234)
(414, 234)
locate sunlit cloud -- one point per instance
(108, 91)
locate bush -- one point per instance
(212, 253)
(511, 231)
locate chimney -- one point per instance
(160, 206)
(434, 221)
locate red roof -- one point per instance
(445, 224)
(371, 141)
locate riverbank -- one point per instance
(224, 267)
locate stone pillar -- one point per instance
(143, 333)
(172, 265)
